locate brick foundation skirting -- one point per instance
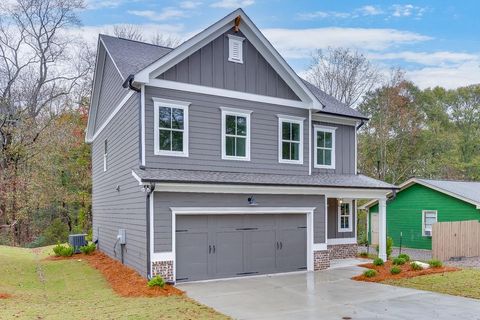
(321, 260)
(163, 269)
(342, 251)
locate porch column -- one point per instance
(382, 228)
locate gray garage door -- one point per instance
(221, 246)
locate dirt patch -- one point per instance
(383, 272)
(5, 295)
(125, 281)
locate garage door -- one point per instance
(221, 246)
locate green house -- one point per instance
(419, 204)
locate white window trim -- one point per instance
(423, 220)
(290, 119)
(235, 112)
(157, 103)
(318, 128)
(350, 215)
(231, 40)
(105, 155)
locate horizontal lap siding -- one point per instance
(333, 233)
(209, 66)
(124, 209)
(404, 214)
(205, 135)
(164, 201)
(111, 92)
(344, 149)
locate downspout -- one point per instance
(148, 189)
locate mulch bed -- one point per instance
(383, 272)
(125, 281)
(5, 295)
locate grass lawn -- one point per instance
(71, 289)
(465, 283)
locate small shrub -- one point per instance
(63, 251)
(156, 281)
(363, 254)
(378, 262)
(404, 256)
(389, 247)
(415, 266)
(435, 263)
(370, 273)
(395, 270)
(399, 261)
(88, 249)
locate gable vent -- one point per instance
(235, 48)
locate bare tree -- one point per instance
(343, 73)
(128, 31)
(38, 77)
(164, 40)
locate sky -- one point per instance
(436, 42)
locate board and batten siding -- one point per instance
(332, 209)
(163, 201)
(209, 66)
(404, 214)
(344, 148)
(205, 149)
(111, 92)
(125, 208)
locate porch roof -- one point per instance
(329, 180)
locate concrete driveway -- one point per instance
(326, 294)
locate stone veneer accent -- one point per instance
(164, 269)
(321, 260)
(342, 251)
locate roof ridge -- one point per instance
(137, 41)
(448, 180)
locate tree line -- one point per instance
(45, 84)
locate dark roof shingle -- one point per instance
(132, 56)
(318, 180)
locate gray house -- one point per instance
(215, 160)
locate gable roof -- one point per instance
(250, 30)
(467, 191)
(132, 56)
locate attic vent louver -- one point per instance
(235, 48)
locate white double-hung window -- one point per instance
(290, 139)
(429, 217)
(345, 216)
(324, 152)
(235, 134)
(171, 127)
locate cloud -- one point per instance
(232, 4)
(190, 4)
(370, 10)
(407, 10)
(448, 77)
(165, 14)
(322, 15)
(102, 4)
(439, 58)
(299, 43)
(90, 33)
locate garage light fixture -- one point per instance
(251, 201)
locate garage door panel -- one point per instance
(292, 252)
(192, 255)
(226, 222)
(260, 251)
(228, 255)
(196, 223)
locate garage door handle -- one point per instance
(209, 249)
(276, 245)
(281, 245)
(213, 248)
